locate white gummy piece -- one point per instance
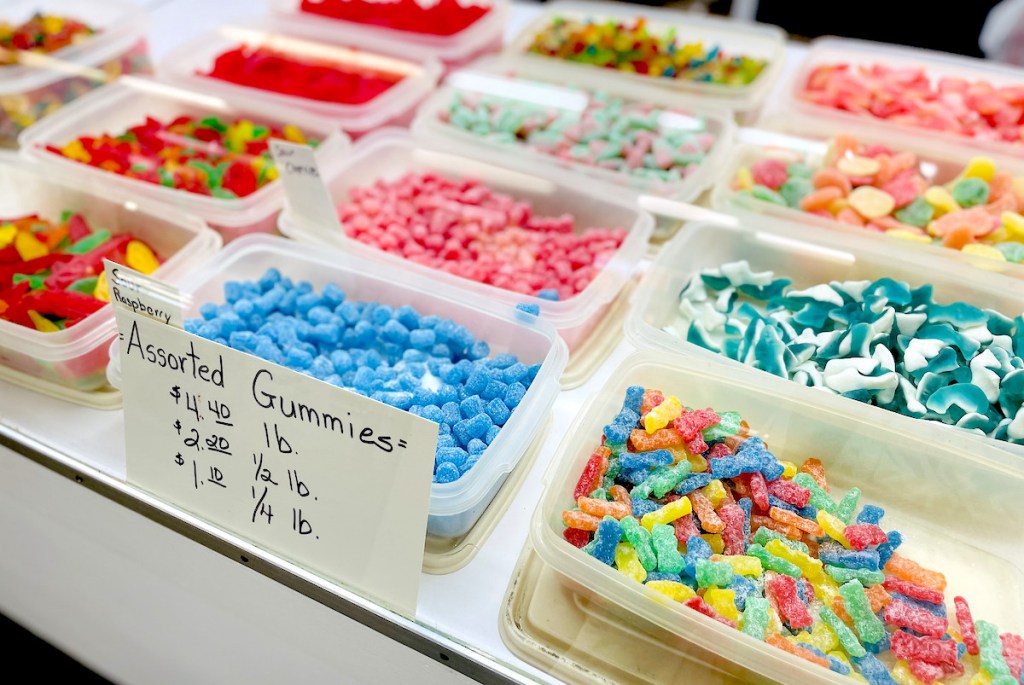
(819, 293)
(983, 376)
(847, 375)
(1016, 428)
(910, 394)
(980, 334)
(1005, 342)
(919, 351)
(908, 324)
(722, 302)
(739, 273)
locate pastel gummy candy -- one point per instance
(442, 18)
(880, 342)
(463, 227)
(633, 48)
(810, 596)
(638, 139)
(913, 97)
(265, 68)
(206, 156)
(372, 349)
(52, 273)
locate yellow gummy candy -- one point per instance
(811, 567)
(52, 24)
(29, 247)
(7, 233)
(902, 675)
(826, 590)
(627, 562)
(723, 601)
(663, 414)
(667, 514)
(821, 636)
(101, 291)
(908, 235)
(698, 464)
(714, 491)
(741, 564)
(981, 678)
(788, 469)
(982, 250)
(675, 591)
(76, 150)
(138, 256)
(940, 198)
(744, 179)
(833, 527)
(871, 202)
(774, 622)
(1014, 225)
(837, 205)
(714, 541)
(293, 134)
(980, 167)
(41, 322)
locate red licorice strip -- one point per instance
(444, 18)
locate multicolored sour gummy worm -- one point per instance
(694, 506)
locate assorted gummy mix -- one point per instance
(41, 33)
(913, 97)
(978, 211)
(691, 504)
(315, 79)
(610, 133)
(632, 47)
(52, 274)
(425, 364)
(440, 18)
(463, 227)
(880, 342)
(205, 156)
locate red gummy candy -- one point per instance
(593, 473)
(783, 589)
(862, 535)
(769, 172)
(686, 528)
(698, 604)
(925, 672)
(902, 615)
(912, 590)
(443, 18)
(1013, 652)
(576, 537)
(690, 425)
(758, 491)
(734, 540)
(790, 492)
(966, 623)
(719, 450)
(931, 650)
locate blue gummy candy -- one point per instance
(607, 537)
(446, 473)
(837, 555)
(642, 505)
(888, 548)
(635, 460)
(870, 514)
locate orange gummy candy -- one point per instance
(908, 569)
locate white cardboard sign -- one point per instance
(305, 190)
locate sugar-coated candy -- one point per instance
(793, 585)
(442, 18)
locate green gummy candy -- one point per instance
(918, 213)
(847, 638)
(665, 478)
(819, 498)
(66, 215)
(166, 177)
(34, 282)
(638, 536)
(764, 535)
(90, 242)
(774, 563)
(223, 193)
(970, 192)
(84, 285)
(847, 505)
(858, 606)
(991, 646)
(1013, 251)
(713, 573)
(600, 493)
(795, 189)
(214, 123)
(766, 194)
(667, 549)
(728, 425)
(755, 617)
(845, 575)
(259, 132)
(799, 170)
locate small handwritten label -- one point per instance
(335, 481)
(131, 289)
(304, 189)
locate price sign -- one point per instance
(335, 481)
(307, 195)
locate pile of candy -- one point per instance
(878, 342)
(51, 274)
(979, 211)
(268, 69)
(441, 18)
(41, 33)
(610, 133)
(465, 228)
(633, 48)
(206, 156)
(427, 365)
(690, 504)
(912, 97)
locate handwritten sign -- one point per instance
(304, 188)
(144, 295)
(335, 481)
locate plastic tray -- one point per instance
(495, 77)
(454, 507)
(128, 102)
(811, 118)
(76, 358)
(772, 245)
(393, 106)
(390, 153)
(39, 87)
(939, 166)
(756, 40)
(943, 499)
(480, 37)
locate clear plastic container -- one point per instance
(936, 164)
(496, 78)
(455, 506)
(394, 106)
(390, 153)
(76, 358)
(128, 102)
(43, 83)
(771, 245)
(812, 119)
(480, 37)
(760, 41)
(943, 499)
